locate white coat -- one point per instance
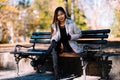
(73, 30)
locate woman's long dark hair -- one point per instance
(55, 20)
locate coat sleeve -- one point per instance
(76, 32)
(54, 34)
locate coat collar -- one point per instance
(68, 21)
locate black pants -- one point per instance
(55, 57)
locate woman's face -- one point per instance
(61, 16)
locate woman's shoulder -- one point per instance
(52, 25)
(69, 20)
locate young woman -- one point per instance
(64, 33)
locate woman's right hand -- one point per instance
(54, 44)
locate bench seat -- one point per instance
(70, 54)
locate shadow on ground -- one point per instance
(33, 76)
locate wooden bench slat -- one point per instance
(92, 41)
(96, 31)
(39, 50)
(66, 54)
(41, 37)
(40, 41)
(41, 33)
(29, 52)
(110, 54)
(94, 36)
(83, 36)
(36, 51)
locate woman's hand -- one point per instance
(68, 37)
(54, 44)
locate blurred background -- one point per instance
(19, 18)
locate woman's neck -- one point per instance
(62, 23)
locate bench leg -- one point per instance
(17, 59)
(106, 66)
(84, 65)
(17, 68)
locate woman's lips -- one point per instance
(61, 19)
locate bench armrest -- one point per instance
(18, 47)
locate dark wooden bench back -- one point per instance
(40, 37)
(88, 37)
(94, 36)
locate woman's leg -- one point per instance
(55, 63)
(54, 53)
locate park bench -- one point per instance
(94, 40)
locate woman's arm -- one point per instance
(76, 32)
(54, 34)
(51, 32)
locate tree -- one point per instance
(99, 13)
(79, 16)
(115, 28)
(44, 10)
(6, 15)
(80, 19)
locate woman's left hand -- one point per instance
(68, 37)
